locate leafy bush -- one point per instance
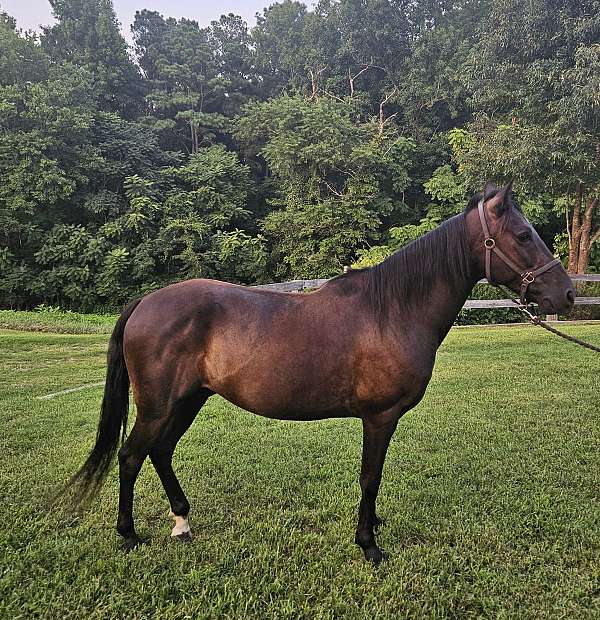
(581, 313)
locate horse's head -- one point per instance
(508, 250)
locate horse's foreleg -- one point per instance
(161, 456)
(377, 432)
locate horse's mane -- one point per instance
(405, 279)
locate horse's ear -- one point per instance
(488, 189)
(504, 199)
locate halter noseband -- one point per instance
(527, 277)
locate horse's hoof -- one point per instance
(185, 537)
(133, 542)
(375, 555)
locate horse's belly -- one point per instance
(294, 413)
(282, 387)
(311, 391)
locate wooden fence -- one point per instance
(295, 286)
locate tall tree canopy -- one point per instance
(534, 82)
(87, 34)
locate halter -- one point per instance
(527, 277)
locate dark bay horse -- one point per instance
(363, 345)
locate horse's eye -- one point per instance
(524, 237)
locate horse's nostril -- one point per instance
(570, 296)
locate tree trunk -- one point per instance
(314, 83)
(382, 119)
(581, 237)
(575, 232)
(194, 136)
(585, 244)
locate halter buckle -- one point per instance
(489, 243)
(528, 278)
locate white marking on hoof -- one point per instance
(182, 527)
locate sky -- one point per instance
(30, 14)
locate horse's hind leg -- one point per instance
(161, 455)
(131, 457)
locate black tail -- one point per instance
(113, 416)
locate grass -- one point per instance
(490, 496)
(55, 320)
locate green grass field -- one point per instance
(490, 495)
(55, 320)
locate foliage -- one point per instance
(317, 139)
(338, 179)
(538, 110)
(87, 34)
(367, 257)
(196, 77)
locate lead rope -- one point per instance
(535, 320)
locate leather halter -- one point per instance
(527, 277)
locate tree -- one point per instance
(235, 59)
(316, 138)
(188, 89)
(203, 214)
(433, 95)
(19, 55)
(44, 151)
(87, 34)
(336, 180)
(342, 48)
(278, 39)
(534, 78)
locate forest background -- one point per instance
(314, 140)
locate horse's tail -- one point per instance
(113, 416)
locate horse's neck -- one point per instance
(428, 283)
(436, 314)
(443, 308)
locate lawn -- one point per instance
(55, 320)
(490, 495)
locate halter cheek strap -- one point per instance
(527, 277)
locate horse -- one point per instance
(363, 345)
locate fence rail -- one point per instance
(295, 286)
(585, 277)
(477, 304)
